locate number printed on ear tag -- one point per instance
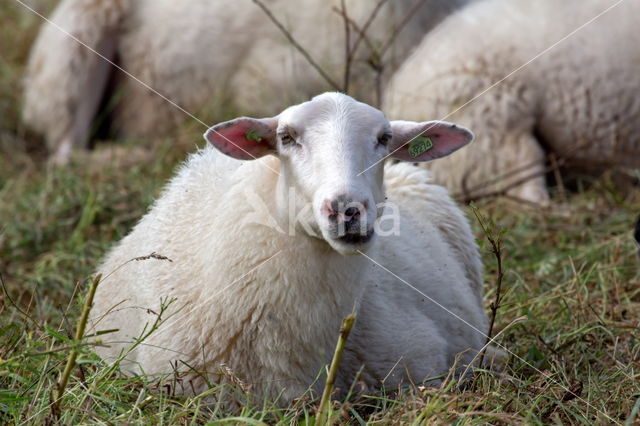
(419, 146)
(252, 136)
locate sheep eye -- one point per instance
(286, 139)
(384, 139)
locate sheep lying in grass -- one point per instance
(266, 256)
(580, 100)
(226, 47)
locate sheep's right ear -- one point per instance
(244, 138)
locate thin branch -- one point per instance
(373, 58)
(297, 45)
(15, 305)
(466, 194)
(362, 33)
(398, 28)
(350, 51)
(347, 48)
(555, 164)
(560, 159)
(496, 249)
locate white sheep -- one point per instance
(579, 100)
(266, 256)
(188, 50)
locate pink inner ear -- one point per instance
(447, 138)
(237, 138)
(443, 139)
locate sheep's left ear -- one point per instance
(418, 142)
(244, 138)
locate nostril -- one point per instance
(327, 209)
(352, 212)
(343, 209)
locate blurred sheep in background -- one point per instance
(193, 51)
(579, 101)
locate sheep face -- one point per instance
(332, 152)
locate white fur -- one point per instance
(581, 94)
(198, 50)
(268, 304)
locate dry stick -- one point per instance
(351, 51)
(498, 179)
(322, 417)
(376, 60)
(362, 36)
(496, 249)
(561, 159)
(297, 45)
(558, 176)
(469, 198)
(400, 27)
(15, 305)
(82, 323)
(347, 48)
(365, 27)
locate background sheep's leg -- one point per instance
(65, 79)
(91, 93)
(530, 183)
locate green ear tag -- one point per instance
(252, 136)
(419, 146)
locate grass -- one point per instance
(571, 276)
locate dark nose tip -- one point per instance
(343, 209)
(352, 212)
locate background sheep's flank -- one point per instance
(570, 297)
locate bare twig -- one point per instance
(350, 51)
(555, 165)
(468, 197)
(560, 159)
(15, 305)
(496, 248)
(347, 48)
(362, 33)
(297, 45)
(398, 28)
(323, 417)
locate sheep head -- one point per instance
(332, 151)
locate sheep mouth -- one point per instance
(355, 239)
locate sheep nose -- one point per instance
(343, 209)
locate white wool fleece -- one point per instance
(268, 304)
